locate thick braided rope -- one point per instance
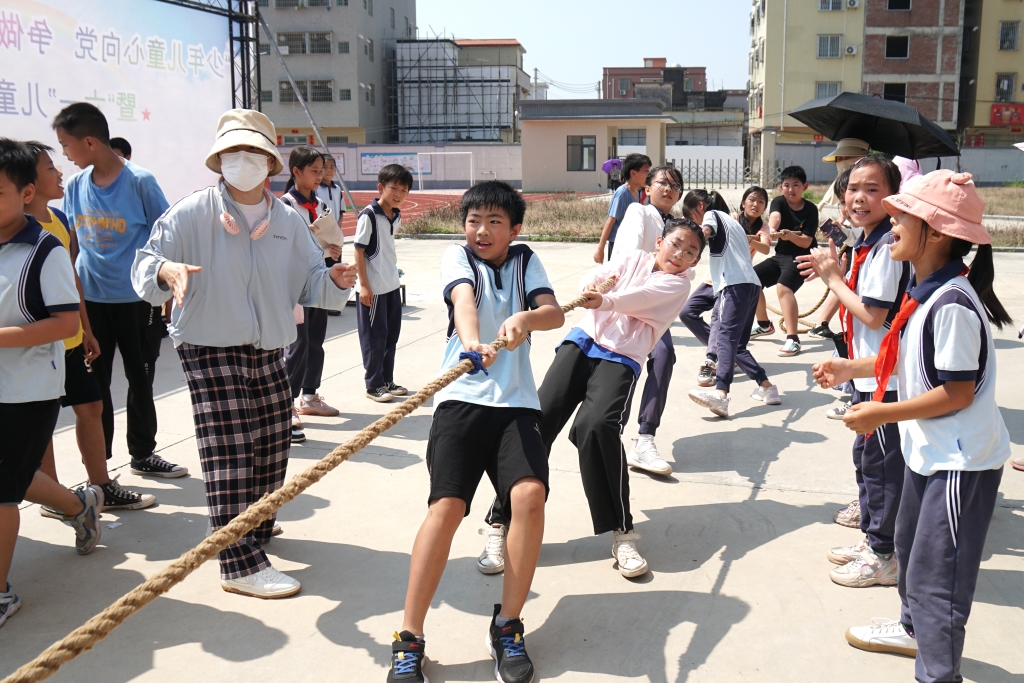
(800, 316)
(99, 627)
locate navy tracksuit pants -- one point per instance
(305, 355)
(379, 325)
(737, 306)
(940, 536)
(659, 376)
(700, 301)
(878, 461)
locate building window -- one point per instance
(899, 5)
(895, 91)
(897, 47)
(344, 95)
(830, 46)
(337, 139)
(295, 139)
(266, 95)
(1005, 87)
(369, 49)
(830, 5)
(301, 43)
(408, 28)
(1009, 35)
(623, 85)
(369, 8)
(318, 3)
(342, 3)
(688, 84)
(343, 47)
(826, 89)
(321, 91)
(633, 136)
(582, 153)
(294, 43)
(263, 3)
(392, 17)
(264, 48)
(285, 94)
(320, 43)
(285, 4)
(372, 92)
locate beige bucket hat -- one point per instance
(848, 147)
(244, 127)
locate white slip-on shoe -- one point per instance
(712, 399)
(492, 559)
(884, 635)
(645, 456)
(770, 395)
(631, 564)
(267, 584)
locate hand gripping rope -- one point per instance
(100, 626)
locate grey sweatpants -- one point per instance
(940, 536)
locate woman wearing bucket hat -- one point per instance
(236, 260)
(954, 440)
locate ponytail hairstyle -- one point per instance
(301, 157)
(751, 227)
(981, 276)
(890, 171)
(676, 224)
(712, 201)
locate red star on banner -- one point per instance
(145, 114)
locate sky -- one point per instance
(572, 47)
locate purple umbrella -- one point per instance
(611, 165)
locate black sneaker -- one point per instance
(333, 313)
(822, 331)
(508, 648)
(396, 390)
(298, 436)
(407, 659)
(116, 497)
(155, 466)
(380, 394)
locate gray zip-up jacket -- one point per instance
(247, 289)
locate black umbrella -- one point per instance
(888, 126)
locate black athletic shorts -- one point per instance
(80, 383)
(467, 440)
(25, 431)
(779, 270)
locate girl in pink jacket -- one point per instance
(598, 363)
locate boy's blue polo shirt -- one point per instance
(36, 279)
(621, 199)
(112, 223)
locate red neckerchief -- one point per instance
(307, 204)
(889, 352)
(845, 314)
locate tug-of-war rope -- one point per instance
(100, 626)
(802, 325)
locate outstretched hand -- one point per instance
(175, 276)
(823, 263)
(866, 417)
(832, 372)
(344, 275)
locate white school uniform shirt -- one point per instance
(730, 252)
(639, 231)
(881, 282)
(375, 235)
(948, 339)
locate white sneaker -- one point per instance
(711, 399)
(837, 412)
(492, 559)
(645, 456)
(770, 395)
(625, 553)
(884, 635)
(267, 584)
(847, 553)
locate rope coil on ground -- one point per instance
(800, 316)
(99, 627)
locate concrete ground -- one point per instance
(736, 540)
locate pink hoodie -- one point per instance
(639, 307)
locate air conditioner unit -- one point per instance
(852, 4)
(622, 92)
(851, 50)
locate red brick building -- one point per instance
(912, 54)
(619, 82)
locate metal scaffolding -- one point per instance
(435, 99)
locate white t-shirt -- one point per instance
(730, 252)
(253, 213)
(639, 231)
(375, 235)
(881, 283)
(948, 339)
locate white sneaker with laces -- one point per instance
(314, 405)
(267, 583)
(837, 412)
(624, 551)
(847, 553)
(884, 635)
(645, 456)
(770, 395)
(712, 399)
(492, 559)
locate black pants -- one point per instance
(602, 389)
(153, 338)
(737, 305)
(940, 540)
(379, 325)
(305, 355)
(879, 465)
(122, 327)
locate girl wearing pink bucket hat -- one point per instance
(954, 440)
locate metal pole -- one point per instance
(302, 101)
(419, 171)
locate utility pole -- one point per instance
(598, 88)
(536, 80)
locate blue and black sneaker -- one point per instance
(407, 659)
(508, 648)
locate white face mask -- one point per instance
(842, 166)
(244, 170)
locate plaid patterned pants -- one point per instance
(241, 406)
